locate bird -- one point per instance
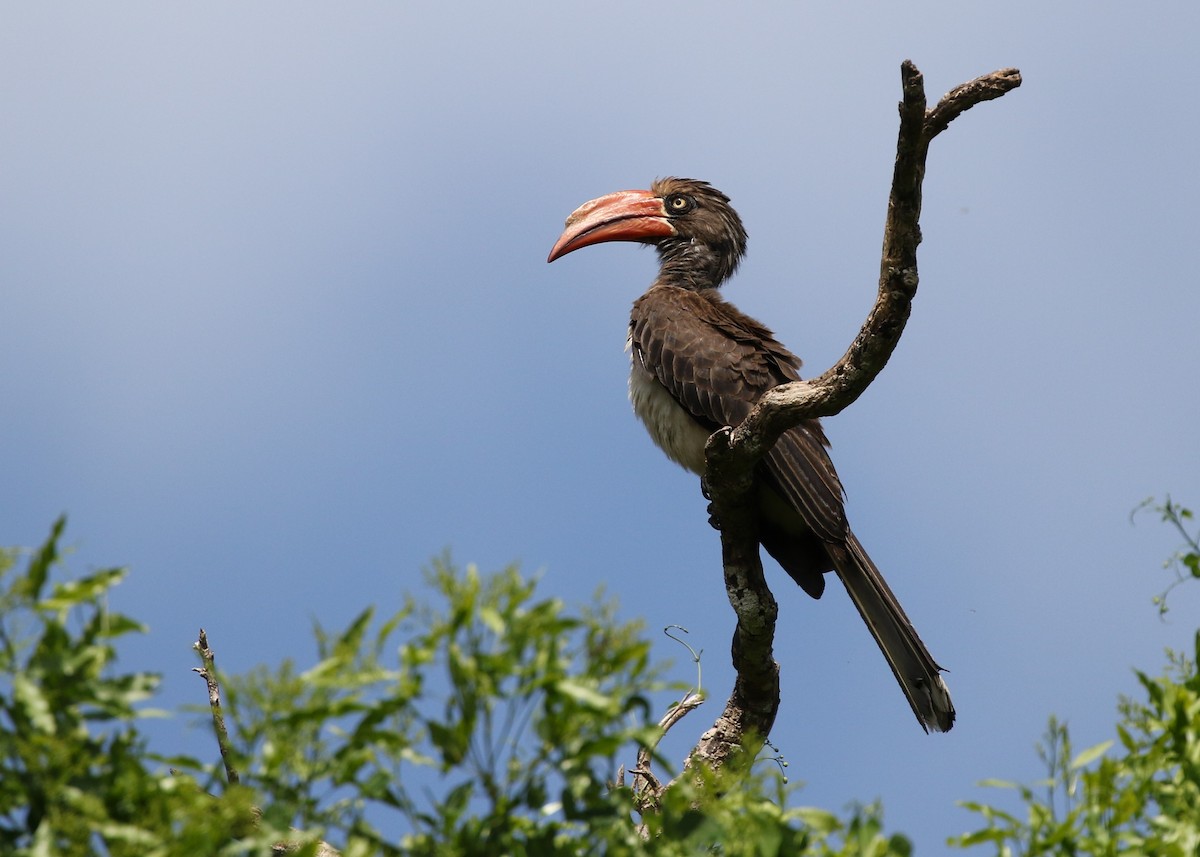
(698, 364)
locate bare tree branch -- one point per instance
(208, 672)
(646, 787)
(965, 96)
(733, 453)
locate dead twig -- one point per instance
(647, 788)
(209, 673)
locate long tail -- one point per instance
(915, 669)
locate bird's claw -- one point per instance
(713, 520)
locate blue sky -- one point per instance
(278, 328)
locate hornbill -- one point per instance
(699, 365)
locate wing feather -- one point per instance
(716, 362)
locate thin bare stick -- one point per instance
(209, 673)
(646, 787)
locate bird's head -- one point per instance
(698, 235)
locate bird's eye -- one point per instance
(679, 203)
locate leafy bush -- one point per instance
(490, 722)
(1143, 801)
(75, 775)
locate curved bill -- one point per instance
(628, 215)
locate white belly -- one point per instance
(670, 426)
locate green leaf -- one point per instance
(583, 695)
(33, 703)
(493, 620)
(451, 740)
(998, 784)
(1192, 561)
(75, 592)
(1090, 755)
(40, 563)
(351, 640)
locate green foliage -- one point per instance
(743, 811)
(489, 721)
(1143, 800)
(1184, 563)
(506, 705)
(515, 713)
(74, 773)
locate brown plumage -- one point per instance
(699, 364)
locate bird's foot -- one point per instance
(713, 520)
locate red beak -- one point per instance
(628, 215)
